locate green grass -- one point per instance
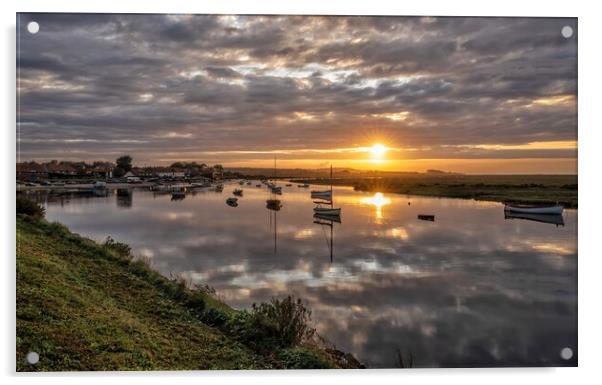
(499, 188)
(85, 306)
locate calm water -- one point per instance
(470, 289)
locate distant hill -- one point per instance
(314, 173)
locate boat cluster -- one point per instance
(178, 190)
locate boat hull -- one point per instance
(553, 219)
(548, 210)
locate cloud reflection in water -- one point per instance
(470, 289)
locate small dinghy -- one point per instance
(528, 209)
(277, 190)
(232, 201)
(553, 219)
(178, 195)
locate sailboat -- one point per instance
(273, 203)
(326, 196)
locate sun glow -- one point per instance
(378, 151)
(378, 201)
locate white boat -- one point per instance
(327, 211)
(326, 197)
(525, 209)
(557, 220)
(277, 190)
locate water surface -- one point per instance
(469, 289)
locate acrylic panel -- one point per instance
(200, 192)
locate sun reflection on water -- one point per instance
(378, 201)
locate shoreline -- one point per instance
(102, 308)
(565, 195)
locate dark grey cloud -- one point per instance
(460, 81)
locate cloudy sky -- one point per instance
(477, 95)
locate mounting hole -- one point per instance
(566, 353)
(567, 31)
(32, 358)
(33, 27)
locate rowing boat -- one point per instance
(526, 209)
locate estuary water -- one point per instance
(471, 288)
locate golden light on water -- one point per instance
(378, 200)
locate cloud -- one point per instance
(233, 81)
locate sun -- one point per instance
(378, 151)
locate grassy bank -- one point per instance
(499, 188)
(88, 306)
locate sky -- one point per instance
(473, 95)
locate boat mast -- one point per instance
(331, 200)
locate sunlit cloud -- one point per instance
(236, 89)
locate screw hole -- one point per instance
(567, 31)
(33, 27)
(566, 353)
(32, 358)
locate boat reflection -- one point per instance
(328, 221)
(273, 206)
(124, 197)
(378, 201)
(557, 220)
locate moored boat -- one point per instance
(232, 201)
(531, 209)
(325, 198)
(277, 190)
(178, 195)
(99, 185)
(554, 219)
(237, 192)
